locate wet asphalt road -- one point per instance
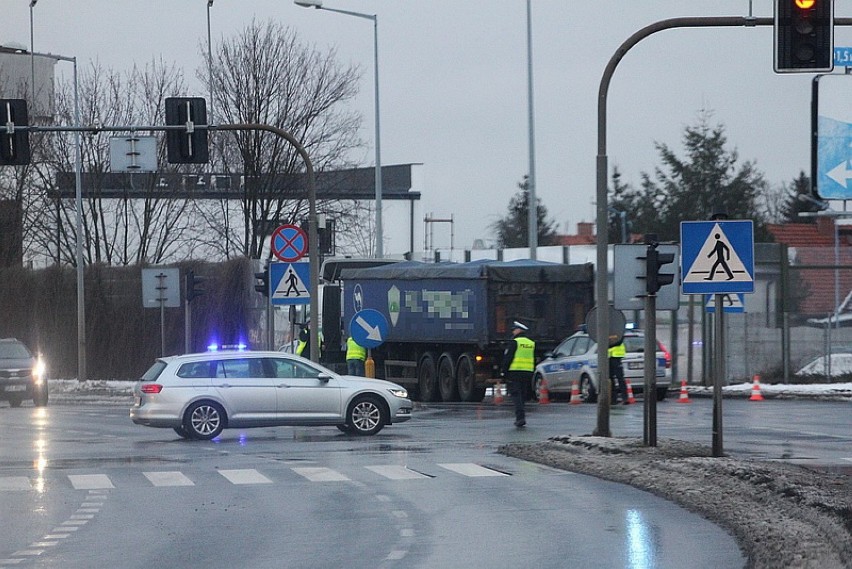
(83, 487)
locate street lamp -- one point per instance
(318, 5)
(32, 56)
(210, 62)
(532, 205)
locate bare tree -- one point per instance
(266, 75)
(117, 231)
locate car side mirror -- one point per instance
(548, 354)
(324, 377)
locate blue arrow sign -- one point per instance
(290, 283)
(717, 256)
(368, 328)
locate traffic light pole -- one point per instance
(602, 204)
(650, 364)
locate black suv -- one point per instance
(22, 375)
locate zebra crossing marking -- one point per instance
(320, 474)
(396, 472)
(90, 481)
(15, 483)
(100, 484)
(470, 469)
(169, 478)
(245, 476)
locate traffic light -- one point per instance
(14, 143)
(804, 36)
(187, 146)
(654, 261)
(263, 282)
(193, 286)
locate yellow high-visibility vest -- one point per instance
(618, 351)
(354, 350)
(524, 359)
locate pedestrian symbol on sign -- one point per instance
(717, 261)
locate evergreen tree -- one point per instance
(512, 230)
(705, 182)
(793, 204)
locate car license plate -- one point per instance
(16, 388)
(635, 365)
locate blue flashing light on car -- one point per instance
(241, 347)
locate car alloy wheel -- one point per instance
(366, 416)
(204, 420)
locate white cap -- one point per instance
(519, 326)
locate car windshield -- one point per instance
(14, 351)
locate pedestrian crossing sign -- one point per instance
(731, 303)
(290, 283)
(717, 257)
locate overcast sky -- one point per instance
(453, 84)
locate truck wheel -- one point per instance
(466, 379)
(427, 379)
(662, 393)
(447, 378)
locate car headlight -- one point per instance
(402, 393)
(39, 370)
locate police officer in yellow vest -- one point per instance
(303, 348)
(518, 366)
(355, 356)
(616, 372)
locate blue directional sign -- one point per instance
(289, 283)
(717, 257)
(834, 137)
(368, 328)
(842, 56)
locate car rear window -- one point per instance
(154, 371)
(634, 343)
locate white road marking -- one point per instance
(171, 478)
(90, 481)
(245, 476)
(471, 469)
(396, 472)
(320, 474)
(15, 483)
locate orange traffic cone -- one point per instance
(575, 393)
(543, 393)
(755, 390)
(498, 393)
(630, 398)
(684, 396)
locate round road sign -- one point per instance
(289, 243)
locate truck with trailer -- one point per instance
(448, 322)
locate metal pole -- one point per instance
(379, 231)
(32, 57)
(532, 209)
(718, 375)
(78, 191)
(602, 269)
(378, 178)
(313, 237)
(650, 363)
(210, 63)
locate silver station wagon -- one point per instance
(199, 395)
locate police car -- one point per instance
(576, 359)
